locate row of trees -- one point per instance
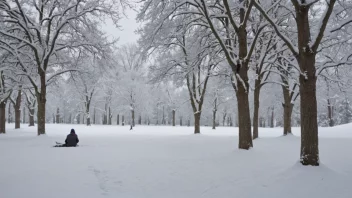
(196, 60)
(297, 39)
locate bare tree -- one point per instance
(305, 50)
(41, 33)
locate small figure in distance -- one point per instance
(71, 140)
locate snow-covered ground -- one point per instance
(170, 162)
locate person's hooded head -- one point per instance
(73, 131)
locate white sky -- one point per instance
(126, 32)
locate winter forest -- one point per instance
(241, 68)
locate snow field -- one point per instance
(170, 162)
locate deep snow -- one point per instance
(170, 162)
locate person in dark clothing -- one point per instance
(71, 140)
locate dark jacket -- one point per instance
(71, 139)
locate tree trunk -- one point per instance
(9, 119)
(181, 121)
(173, 117)
(163, 120)
(244, 119)
(189, 122)
(223, 119)
(105, 118)
(197, 123)
(288, 106)
(94, 118)
(57, 115)
(123, 120)
(132, 114)
(88, 119)
(272, 118)
(118, 119)
(17, 107)
(140, 120)
(31, 117)
(18, 118)
(2, 117)
(41, 113)
(214, 118)
(330, 114)
(256, 109)
(309, 123)
(24, 115)
(109, 116)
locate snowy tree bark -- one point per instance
(197, 123)
(9, 114)
(31, 117)
(17, 107)
(330, 113)
(118, 119)
(256, 109)
(2, 117)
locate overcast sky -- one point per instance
(126, 32)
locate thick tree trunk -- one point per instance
(256, 109)
(214, 119)
(31, 117)
(244, 118)
(41, 113)
(118, 119)
(17, 107)
(309, 123)
(140, 120)
(197, 123)
(2, 117)
(123, 120)
(173, 117)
